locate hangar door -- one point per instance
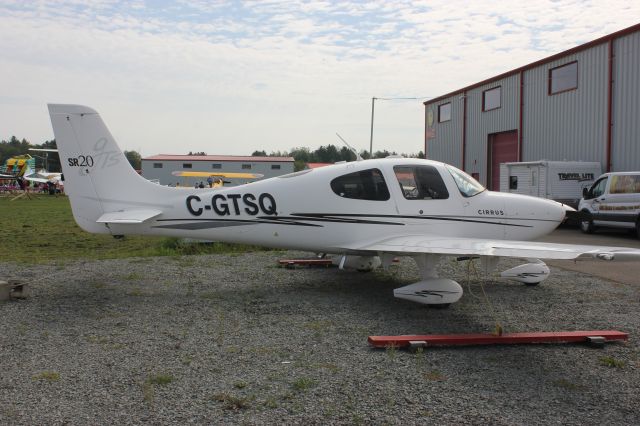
(503, 148)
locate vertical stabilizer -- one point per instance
(97, 176)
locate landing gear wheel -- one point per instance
(439, 305)
(638, 228)
(586, 223)
(531, 284)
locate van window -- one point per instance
(421, 183)
(598, 188)
(625, 184)
(362, 185)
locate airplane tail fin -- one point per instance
(97, 176)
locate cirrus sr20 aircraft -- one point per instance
(366, 212)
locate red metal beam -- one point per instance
(464, 129)
(609, 105)
(492, 339)
(521, 118)
(306, 262)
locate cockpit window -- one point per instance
(362, 185)
(467, 185)
(421, 183)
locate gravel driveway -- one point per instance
(229, 339)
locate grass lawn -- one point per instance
(42, 229)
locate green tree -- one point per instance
(134, 159)
(259, 154)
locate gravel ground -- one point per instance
(235, 339)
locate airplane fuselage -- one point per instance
(321, 209)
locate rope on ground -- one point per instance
(471, 267)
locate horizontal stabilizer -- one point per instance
(128, 216)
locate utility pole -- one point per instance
(373, 105)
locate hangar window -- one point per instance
(563, 78)
(216, 166)
(187, 165)
(444, 112)
(246, 167)
(421, 183)
(275, 167)
(491, 99)
(157, 165)
(362, 185)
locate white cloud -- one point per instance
(233, 77)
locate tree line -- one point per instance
(301, 155)
(327, 154)
(47, 160)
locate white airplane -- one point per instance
(366, 212)
(43, 176)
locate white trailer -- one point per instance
(562, 181)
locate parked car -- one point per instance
(612, 201)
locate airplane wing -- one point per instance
(219, 174)
(43, 177)
(416, 244)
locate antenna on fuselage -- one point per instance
(358, 158)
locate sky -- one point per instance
(226, 77)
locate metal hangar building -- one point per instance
(161, 166)
(582, 104)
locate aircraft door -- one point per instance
(423, 196)
(596, 197)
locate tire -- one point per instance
(586, 223)
(439, 305)
(638, 228)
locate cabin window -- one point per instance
(491, 99)
(444, 112)
(275, 167)
(563, 78)
(421, 183)
(246, 167)
(362, 185)
(157, 165)
(216, 166)
(187, 165)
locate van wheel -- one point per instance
(586, 223)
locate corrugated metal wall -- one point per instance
(625, 154)
(165, 177)
(447, 144)
(570, 125)
(480, 124)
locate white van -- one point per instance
(612, 201)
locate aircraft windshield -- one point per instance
(467, 185)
